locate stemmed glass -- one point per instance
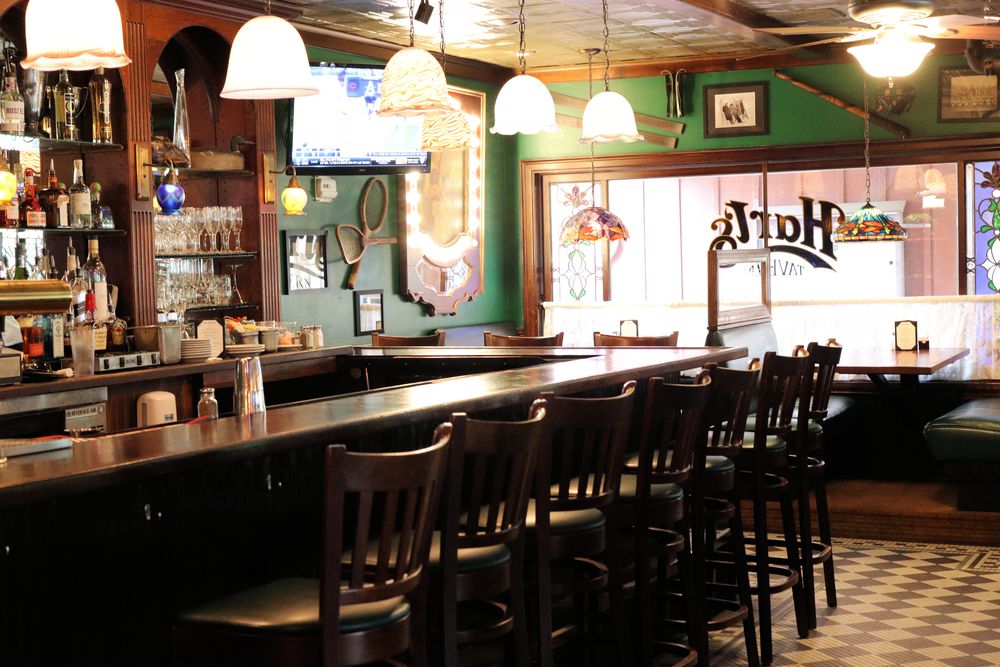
(228, 213)
(237, 226)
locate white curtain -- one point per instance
(955, 321)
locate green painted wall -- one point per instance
(334, 308)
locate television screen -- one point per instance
(339, 131)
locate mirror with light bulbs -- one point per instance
(441, 253)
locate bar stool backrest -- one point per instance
(608, 340)
(727, 409)
(404, 488)
(672, 422)
(500, 340)
(582, 461)
(490, 470)
(779, 389)
(431, 340)
(824, 364)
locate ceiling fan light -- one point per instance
(67, 34)
(892, 54)
(524, 106)
(608, 117)
(268, 61)
(413, 84)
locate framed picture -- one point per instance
(305, 261)
(735, 109)
(964, 96)
(368, 312)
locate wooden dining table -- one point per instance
(878, 362)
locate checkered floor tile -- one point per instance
(919, 605)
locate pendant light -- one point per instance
(268, 61)
(413, 82)
(170, 194)
(524, 105)
(608, 116)
(894, 53)
(73, 35)
(594, 222)
(445, 130)
(868, 223)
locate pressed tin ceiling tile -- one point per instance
(486, 30)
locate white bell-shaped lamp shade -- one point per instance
(524, 106)
(446, 130)
(893, 53)
(73, 35)
(413, 84)
(609, 117)
(268, 61)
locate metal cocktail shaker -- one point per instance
(248, 391)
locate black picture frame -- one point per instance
(305, 261)
(735, 109)
(362, 300)
(959, 101)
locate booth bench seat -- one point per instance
(966, 441)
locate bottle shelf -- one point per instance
(209, 255)
(49, 231)
(189, 172)
(24, 142)
(220, 308)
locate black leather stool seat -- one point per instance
(290, 607)
(469, 560)
(775, 444)
(567, 522)
(714, 465)
(658, 493)
(815, 428)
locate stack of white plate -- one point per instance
(244, 350)
(195, 349)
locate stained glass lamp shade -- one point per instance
(413, 84)
(593, 224)
(868, 223)
(446, 131)
(73, 35)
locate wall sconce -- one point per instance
(170, 193)
(294, 197)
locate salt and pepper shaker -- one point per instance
(207, 405)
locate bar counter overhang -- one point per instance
(115, 459)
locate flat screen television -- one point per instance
(339, 132)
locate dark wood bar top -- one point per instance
(111, 459)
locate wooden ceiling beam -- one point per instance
(735, 19)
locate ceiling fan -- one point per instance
(895, 26)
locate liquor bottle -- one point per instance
(33, 340)
(31, 213)
(55, 332)
(64, 103)
(51, 199)
(100, 214)
(20, 263)
(53, 273)
(97, 275)
(78, 287)
(11, 101)
(116, 329)
(41, 268)
(96, 323)
(80, 212)
(100, 105)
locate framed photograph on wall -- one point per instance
(965, 96)
(369, 312)
(735, 109)
(305, 261)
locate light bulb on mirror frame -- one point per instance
(294, 197)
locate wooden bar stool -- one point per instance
(357, 612)
(501, 340)
(760, 465)
(608, 340)
(571, 522)
(725, 423)
(654, 503)
(430, 340)
(480, 554)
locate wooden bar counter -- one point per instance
(102, 544)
